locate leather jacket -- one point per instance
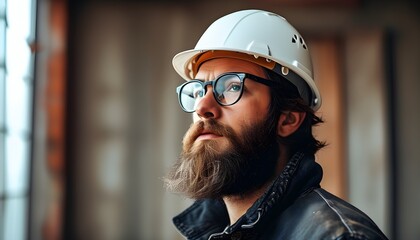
(293, 207)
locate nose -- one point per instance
(207, 107)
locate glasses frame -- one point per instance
(241, 75)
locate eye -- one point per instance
(198, 93)
(233, 87)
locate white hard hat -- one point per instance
(258, 36)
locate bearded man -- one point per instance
(248, 158)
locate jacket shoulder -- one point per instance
(321, 215)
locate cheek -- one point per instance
(258, 102)
(256, 110)
(259, 110)
(253, 112)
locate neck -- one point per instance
(238, 205)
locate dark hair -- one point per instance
(285, 97)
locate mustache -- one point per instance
(208, 126)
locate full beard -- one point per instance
(207, 169)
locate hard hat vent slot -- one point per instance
(296, 38)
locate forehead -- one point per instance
(211, 69)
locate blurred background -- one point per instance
(90, 123)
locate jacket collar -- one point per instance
(209, 216)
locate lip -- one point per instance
(207, 136)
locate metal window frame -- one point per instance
(28, 78)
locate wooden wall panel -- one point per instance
(326, 60)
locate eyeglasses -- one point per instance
(227, 89)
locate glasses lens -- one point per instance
(228, 89)
(189, 94)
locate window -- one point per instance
(16, 83)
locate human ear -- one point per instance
(289, 122)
